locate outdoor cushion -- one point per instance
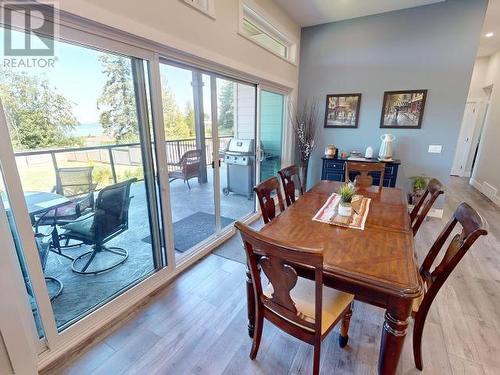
(82, 226)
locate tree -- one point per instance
(38, 116)
(189, 119)
(173, 119)
(226, 108)
(117, 101)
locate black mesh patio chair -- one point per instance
(108, 220)
(76, 184)
(43, 248)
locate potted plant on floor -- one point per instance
(419, 184)
(346, 193)
(304, 123)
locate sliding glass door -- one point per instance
(83, 176)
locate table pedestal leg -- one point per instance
(397, 318)
(250, 304)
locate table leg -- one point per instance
(250, 304)
(397, 318)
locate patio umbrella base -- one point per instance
(118, 253)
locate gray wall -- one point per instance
(431, 47)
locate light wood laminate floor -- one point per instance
(197, 325)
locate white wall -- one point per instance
(5, 366)
(486, 174)
(177, 25)
(479, 77)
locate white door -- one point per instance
(465, 139)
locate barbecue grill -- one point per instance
(240, 160)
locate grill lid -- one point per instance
(241, 146)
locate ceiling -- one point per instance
(489, 46)
(315, 12)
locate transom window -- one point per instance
(258, 29)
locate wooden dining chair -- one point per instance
(265, 191)
(289, 177)
(472, 227)
(302, 308)
(364, 180)
(432, 192)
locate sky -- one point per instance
(77, 75)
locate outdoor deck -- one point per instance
(82, 293)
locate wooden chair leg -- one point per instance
(316, 358)
(259, 323)
(344, 328)
(418, 329)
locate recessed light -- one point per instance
(488, 35)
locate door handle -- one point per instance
(213, 164)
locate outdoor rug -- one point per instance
(194, 229)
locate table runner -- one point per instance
(329, 212)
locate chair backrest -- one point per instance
(111, 210)
(277, 261)
(290, 180)
(364, 180)
(472, 228)
(265, 191)
(432, 192)
(190, 161)
(74, 181)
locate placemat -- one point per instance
(329, 212)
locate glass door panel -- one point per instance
(80, 138)
(188, 133)
(271, 133)
(236, 115)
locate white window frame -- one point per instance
(208, 10)
(257, 17)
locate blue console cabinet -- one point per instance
(334, 170)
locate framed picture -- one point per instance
(403, 109)
(342, 110)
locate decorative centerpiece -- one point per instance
(346, 193)
(304, 123)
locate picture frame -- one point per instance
(403, 109)
(342, 110)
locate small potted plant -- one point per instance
(419, 184)
(346, 193)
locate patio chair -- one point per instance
(43, 248)
(76, 184)
(109, 220)
(188, 167)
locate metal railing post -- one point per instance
(112, 163)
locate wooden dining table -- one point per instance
(378, 264)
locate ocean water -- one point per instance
(84, 130)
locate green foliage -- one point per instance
(173, 119)
(38, 116)
(102, 175)
(189, 119)
(419, 182)
(226, 109)
(346, 193)
(133, 173)
(117, 102)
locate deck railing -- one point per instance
(128, 154)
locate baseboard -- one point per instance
(481, 188)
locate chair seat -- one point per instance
(334, 302)
(81, 226)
